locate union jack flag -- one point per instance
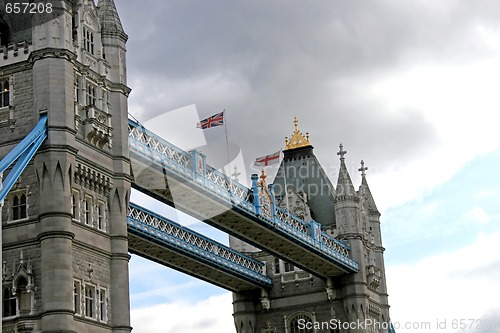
(215, 120)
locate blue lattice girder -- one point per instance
(23, 153)
(163, 232)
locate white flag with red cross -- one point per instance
(268, 159)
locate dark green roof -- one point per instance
(305, 175)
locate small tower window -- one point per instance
(9, 303)
(89, 301)
(100, 216)
(87, 211)
(288, 267)
(75, 205)
(277, 269)
(74, 26)
(102, 305)
(19, 207)
(88, 40)
(77, 297)
(77, 89)
(4, 93)
(91, 94)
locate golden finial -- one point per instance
(262, 183)
(263, 177)
(297, 139)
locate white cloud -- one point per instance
(485, 194)
(477, 214)
(461, 104)
(212, 315)
(449, 286)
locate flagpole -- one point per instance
(227, 151)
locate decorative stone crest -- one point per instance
(330, 291)
(264, 300)
(97, 127)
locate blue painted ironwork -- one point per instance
(23, 153)
(146, 223)
(391, 327)
(183, 164)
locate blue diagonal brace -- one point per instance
(23, 153)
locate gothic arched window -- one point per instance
(301, 323)
(4, 93)
(19, 207)
(9, 303)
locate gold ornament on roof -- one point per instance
(298, 139)
(262, 181)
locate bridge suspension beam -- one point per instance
(162, 240)
(185, 181)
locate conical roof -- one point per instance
(364, 190)
(108, 17)
(344, 182)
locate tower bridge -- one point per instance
(185, 181)
(70, 157)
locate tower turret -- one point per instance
(376, 268)
(346, 201)
(113, 40)
(358, 223)
(72, 260)
(349, 228)
(301, 173)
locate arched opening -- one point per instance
(24, 296)
(301, 323)
(19, 206)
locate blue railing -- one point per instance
(160, 229)
(192, 167)
(23, 153)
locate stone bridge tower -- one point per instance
(65, 249)
(302, 302)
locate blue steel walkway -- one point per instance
(184, 180)
(157, 238)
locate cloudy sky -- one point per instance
(411, 87)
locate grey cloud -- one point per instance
(267, 61)
(488, 323)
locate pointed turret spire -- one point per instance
(364, 189)
(108, 16)
(344, 182)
